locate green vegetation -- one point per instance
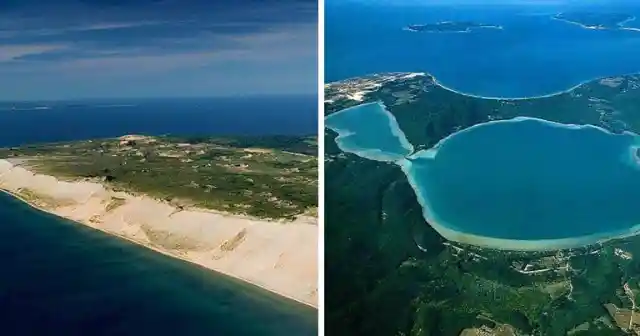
(379, 282)
(267, 177)
(302, 145)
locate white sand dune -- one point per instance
(281, 257)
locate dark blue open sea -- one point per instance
(29, 122)
(533, 55)
(61, 278)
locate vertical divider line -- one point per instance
(321, 177)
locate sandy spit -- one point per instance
(280, 257)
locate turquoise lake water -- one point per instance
(380, 140)
(522, 184)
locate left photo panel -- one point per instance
(159, 167)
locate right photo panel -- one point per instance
(482, 167)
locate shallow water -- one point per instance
(522, 183)
(380, 139)
(61, 277)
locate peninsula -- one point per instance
(245, 206)
(450, 27)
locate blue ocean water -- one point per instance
(63, 278)
(33, 122)
(532, 56)
(523, 183)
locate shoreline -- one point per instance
(155, 249)
(513, 245)
(466, 30)
(165, 251)
(454, 234)
(619, 25)
(548, 95)
(462, 93)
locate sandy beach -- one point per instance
(278, 256)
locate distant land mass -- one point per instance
(450, 27)
(393, 274)
(593, 20)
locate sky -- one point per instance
(75, 49)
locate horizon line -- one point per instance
(257, 95)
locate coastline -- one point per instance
(466, 30)
(440, 84)
(281, 288)
(552, 94)
(619, 26)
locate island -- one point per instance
(592, 20)
(449, 27)
(393, 273)
(243, 206)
